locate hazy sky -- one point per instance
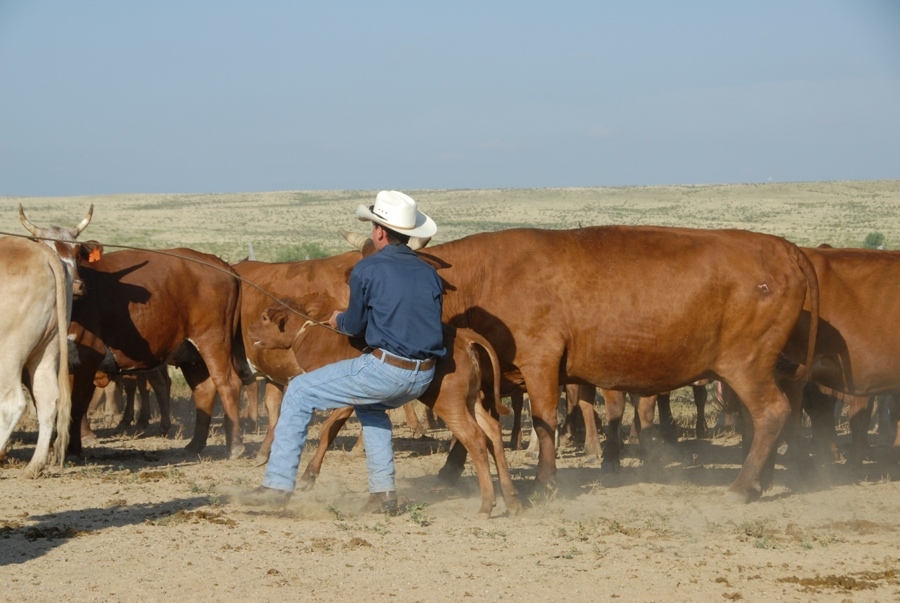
(216, 96)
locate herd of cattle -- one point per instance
(621, 308)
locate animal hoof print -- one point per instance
(265, 497)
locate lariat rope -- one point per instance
(229, 272)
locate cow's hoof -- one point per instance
(236, 452)
(89, 440)
(260, 460)
(739, 497)
(307, 481)
(514, 507)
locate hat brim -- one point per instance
(425, 226)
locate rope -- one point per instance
(229, 272)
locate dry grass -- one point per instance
(841, 213)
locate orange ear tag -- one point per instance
(94, 256)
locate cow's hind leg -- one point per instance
(700, 398)
(204, 392)
(472, 437)
(768, 411)
(45, 390)
(161, 384)
(274, 394)
(327, 434)
(614, 402)
(517, 401)
(12, 405)
(491, 428)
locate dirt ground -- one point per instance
(140, 520)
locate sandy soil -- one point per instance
(139, 520)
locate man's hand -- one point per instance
(333, 320)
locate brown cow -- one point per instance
(453, 393)
(142, 309)
(726, 291)
(858, 346)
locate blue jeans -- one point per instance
(366, 383)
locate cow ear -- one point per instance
(90, 251)
(319, 306)
(278, 316)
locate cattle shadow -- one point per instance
(36, 535)
(111, 320)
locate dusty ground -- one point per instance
(139, 520)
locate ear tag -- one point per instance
(94, 256)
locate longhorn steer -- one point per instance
(33, 324)
(453, 393)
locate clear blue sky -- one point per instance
(217, 96)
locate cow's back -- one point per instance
(28, 292)
(644, 308)
(143, 304)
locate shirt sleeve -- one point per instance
(355, 318)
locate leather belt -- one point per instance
(409, 365)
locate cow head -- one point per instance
(63, 242)
(280, 324)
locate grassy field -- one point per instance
(293, 224)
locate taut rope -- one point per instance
(229, 272)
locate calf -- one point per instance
(453, 393)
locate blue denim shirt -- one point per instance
(395, 300)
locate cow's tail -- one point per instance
(64, 402)
(812, 292)
(238, 351)
(495, 365)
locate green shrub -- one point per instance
(874, 240)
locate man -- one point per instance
(395, 302)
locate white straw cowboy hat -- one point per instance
(397, 211)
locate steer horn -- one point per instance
(83, 224)
(358, 241)
(355, 239)
(28, 225)
(416, 243)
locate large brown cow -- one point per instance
(729, 303)
(453, 393)
(141, 309)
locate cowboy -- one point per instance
(395, 303)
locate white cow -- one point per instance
(36, 300)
